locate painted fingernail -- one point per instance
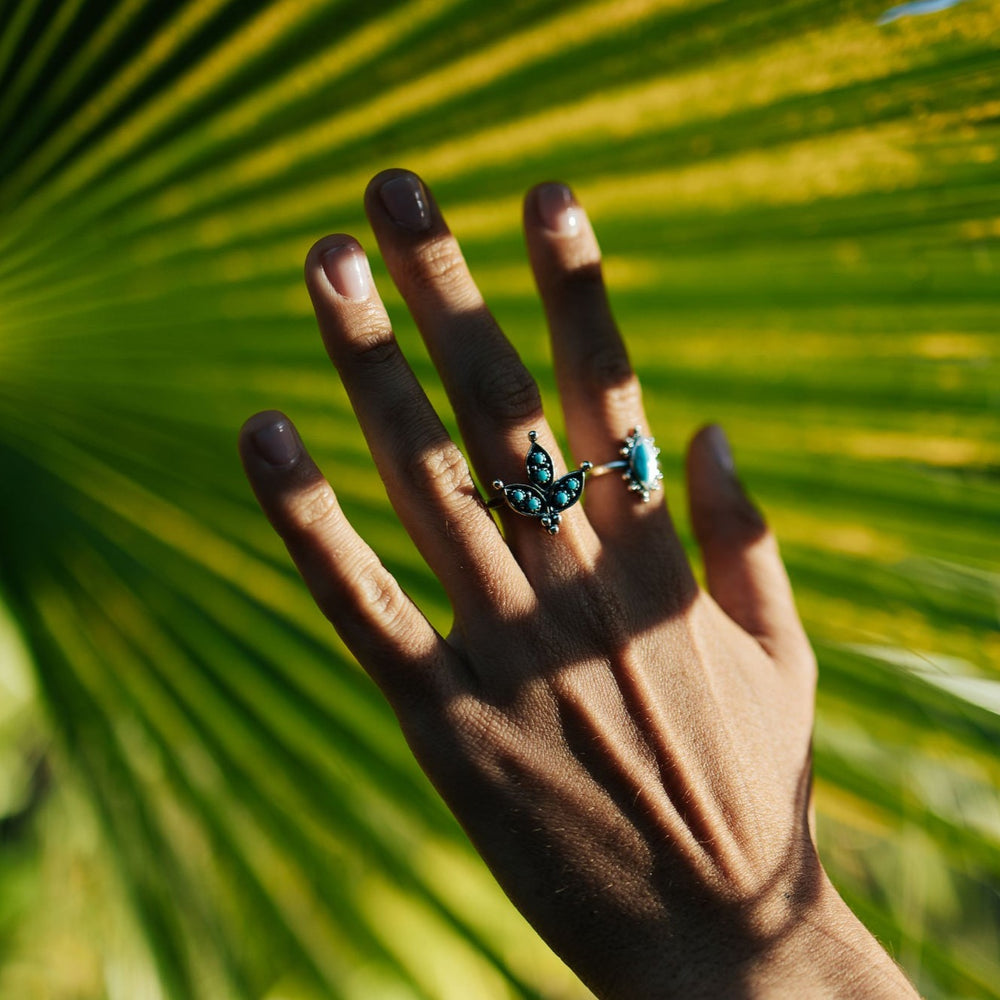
(558, 209)
(277, 443)
(721, 452)
(347, 269)
(405, 200)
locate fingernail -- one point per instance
(347, 269)
(721, 452)
(277, 443)
(558, 209)
(405, 200)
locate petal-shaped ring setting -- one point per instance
(542, 496)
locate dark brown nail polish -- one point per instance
(558, 209)
(277, 443)
(405, 200)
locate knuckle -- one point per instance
(607, 369)
(373, 348)
(736, 521)
(506, 392)
(313, 510)
(440, 473)
(379, 597)
(439, 262)
(584, 279)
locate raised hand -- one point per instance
(629, 754)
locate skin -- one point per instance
(629, 753)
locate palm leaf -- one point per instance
(798, 208)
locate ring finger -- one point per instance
(600, 393)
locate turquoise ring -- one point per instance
(543, 496)
(639, 464)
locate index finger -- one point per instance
(424, 472)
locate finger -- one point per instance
(744, 571)
(600, 393)
(425, 474)
(377, 621)
(496, 401)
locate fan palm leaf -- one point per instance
(798, 204)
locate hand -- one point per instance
(629, 754)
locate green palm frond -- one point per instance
(798, 207)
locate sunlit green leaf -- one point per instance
(798, 208)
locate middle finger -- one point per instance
(496, 401)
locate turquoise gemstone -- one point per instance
(643, 464)
(537, 458)
(562, 498)
(573, 485)
(541, 475)
(534, 503)
(517, 495)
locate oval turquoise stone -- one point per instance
(643, 464)
(541, 475)
(534, 503)
(561, 498)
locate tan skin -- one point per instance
(629, 753)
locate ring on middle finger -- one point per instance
(542, 496)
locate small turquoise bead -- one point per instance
(541, 475)
(561, 498)
(517, 495)
(534, 503)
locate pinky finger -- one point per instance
(378, 622)
(744, 570)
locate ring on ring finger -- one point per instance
(639, 464)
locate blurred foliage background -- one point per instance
(201, 794)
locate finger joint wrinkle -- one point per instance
(438, 263)
(378, 596)
(440, 471)
(607, 369)
(506, 392)
(312, 510)
(374, 348)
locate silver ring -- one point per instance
(639, 462)
(543, 497)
